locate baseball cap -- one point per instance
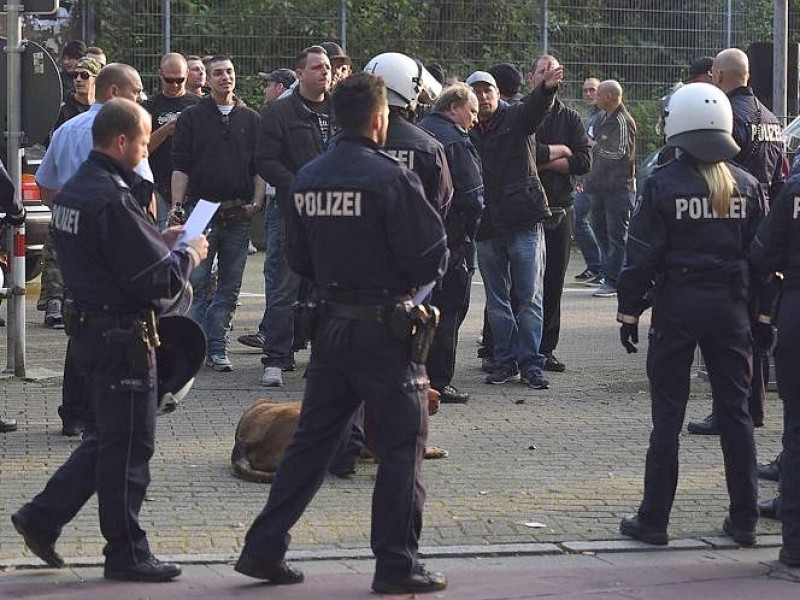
(508, 77)
(481, 77)
(334, 50)
(89, 64)
(700, 66)
(284, 76)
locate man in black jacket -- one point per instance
(454, 114)
(213, 150)
(562, 151)
(510, 236)
(293, 131)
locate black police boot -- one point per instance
(707, 426)
(771, 471)
(790, 558)
(420, 581)
(7, 425)
(278, 572)
(71, 428)
(150, 571)
(450, 395)
(41, 545)
(743, 537)
(770, 509)
(632, 527)
(551, 363)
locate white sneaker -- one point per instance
(219, 362)
(272, 377)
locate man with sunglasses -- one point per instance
(86, 70)
(164, 108)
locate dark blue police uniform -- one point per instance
(97, 220)
(422, 153)
(758, 133)
(362, 230)
(461, 224)
(701, 298)
(776, 247)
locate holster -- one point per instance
(415, 323)
(426, 318)
(306, 316)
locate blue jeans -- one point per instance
(610, 214)
(519, 260)
(229, 245)
(281, 285)
(584, 235)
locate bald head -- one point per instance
(731, 70)
(609, 95)
(118, 80)
(173, 73)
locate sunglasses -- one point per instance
(177, 80)
(82, 74)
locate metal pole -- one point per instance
(780, 35)
(167, 26)
(343, 24)
(15, 359)
(729, 24)
(545, 27)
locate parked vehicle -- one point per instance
(37, 222)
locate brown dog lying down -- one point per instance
(267, 427)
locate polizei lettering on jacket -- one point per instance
(66, 219)
(796, 213)
(328, 204)
(404, 156)
(765, 132)
(701, 208)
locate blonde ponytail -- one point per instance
(721, 185)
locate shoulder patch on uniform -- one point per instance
(121, 184)
(394, 159)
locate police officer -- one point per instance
(406, 80)
(117, 295)
(455, 112)
(776, 247)
(15, 216)
(690, 231)
(758, 133)
(362, 230)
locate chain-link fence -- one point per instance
(645, 44)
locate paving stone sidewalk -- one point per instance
(525, 466)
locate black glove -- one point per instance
(629, 335)
(763, 337)
(17, 219)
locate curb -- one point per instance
(494, 550)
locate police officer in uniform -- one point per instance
(406, 80)
(776, 247)
(758, 133)
(690, 232)
(117, 295)
(363, 231)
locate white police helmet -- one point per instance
(699, 120)
(405, 78)
(178, 359)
